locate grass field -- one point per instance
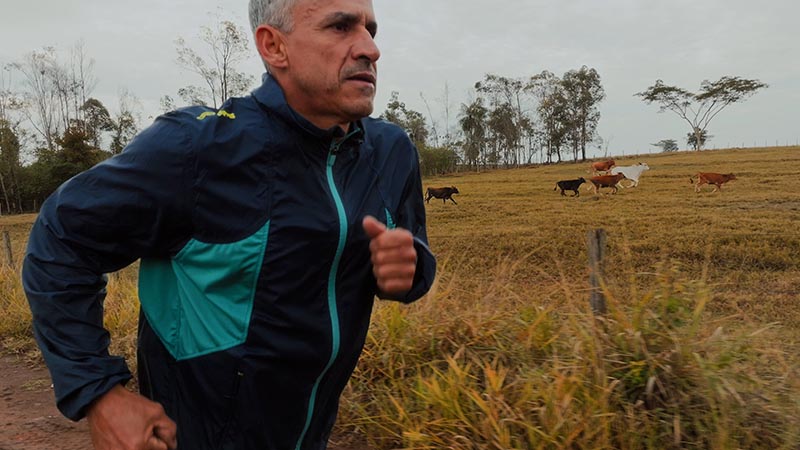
(745, 240)
(697, 350)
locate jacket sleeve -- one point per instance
(411, 216)
(132, 205)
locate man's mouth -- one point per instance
(367, 77)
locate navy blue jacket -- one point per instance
(255, 281)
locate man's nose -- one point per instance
(366, 47)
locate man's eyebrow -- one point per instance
(350, 19)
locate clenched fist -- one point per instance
(394, 258)
(122, 420)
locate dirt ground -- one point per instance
(29, 419)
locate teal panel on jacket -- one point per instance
(200, 302)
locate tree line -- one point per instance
(510, 122)
(52, 127)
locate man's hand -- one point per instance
(394, 258)
(122, 420)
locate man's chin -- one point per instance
(359, 110)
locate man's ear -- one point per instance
(271, 45)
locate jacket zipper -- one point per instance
(332, 308)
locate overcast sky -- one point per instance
(432, 43)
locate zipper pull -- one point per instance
(334, 148)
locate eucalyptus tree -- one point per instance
(504, 134)
(507, 98)
(583, 92)
(472, 120)
(698, 109)
(553, 111)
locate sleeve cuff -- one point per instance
(74, 405)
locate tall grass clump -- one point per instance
(121, 315)
(15, 316)
(16, 322)
(488, 370)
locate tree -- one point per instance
(40, 94)
(10, 166)
(583, 92)
(553, 112)
(55, 91)
(408, 119)
(227, 45)
(437, 160)
(699, 109)
(76, 153)
(97, 120)
(166, 104)
(667, 145)
(504, 133)
(125, 123)
(691, 139)
(11, 102)
(506, 96)
(472, 120)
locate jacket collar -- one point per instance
(271, 96)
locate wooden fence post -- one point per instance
(596, 240)
(9, 253)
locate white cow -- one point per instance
(631, 172)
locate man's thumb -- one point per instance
(372, 227)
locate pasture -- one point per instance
(697, 350)
(744, 242)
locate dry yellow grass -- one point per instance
(696, 351)
(743, 241)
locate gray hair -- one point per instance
(276, 13)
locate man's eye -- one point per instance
(341, 26)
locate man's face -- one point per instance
(331, 70)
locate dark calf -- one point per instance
(570, 185)
(443, 193)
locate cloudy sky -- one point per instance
(429, 44)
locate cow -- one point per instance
(570, 185)
(631, 172)
(601, 166)
(717, 179)
(606, 181)
(443, 193)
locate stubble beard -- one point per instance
(363, 105)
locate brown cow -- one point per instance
(601, 166)
(606, 181)
(717, 179)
